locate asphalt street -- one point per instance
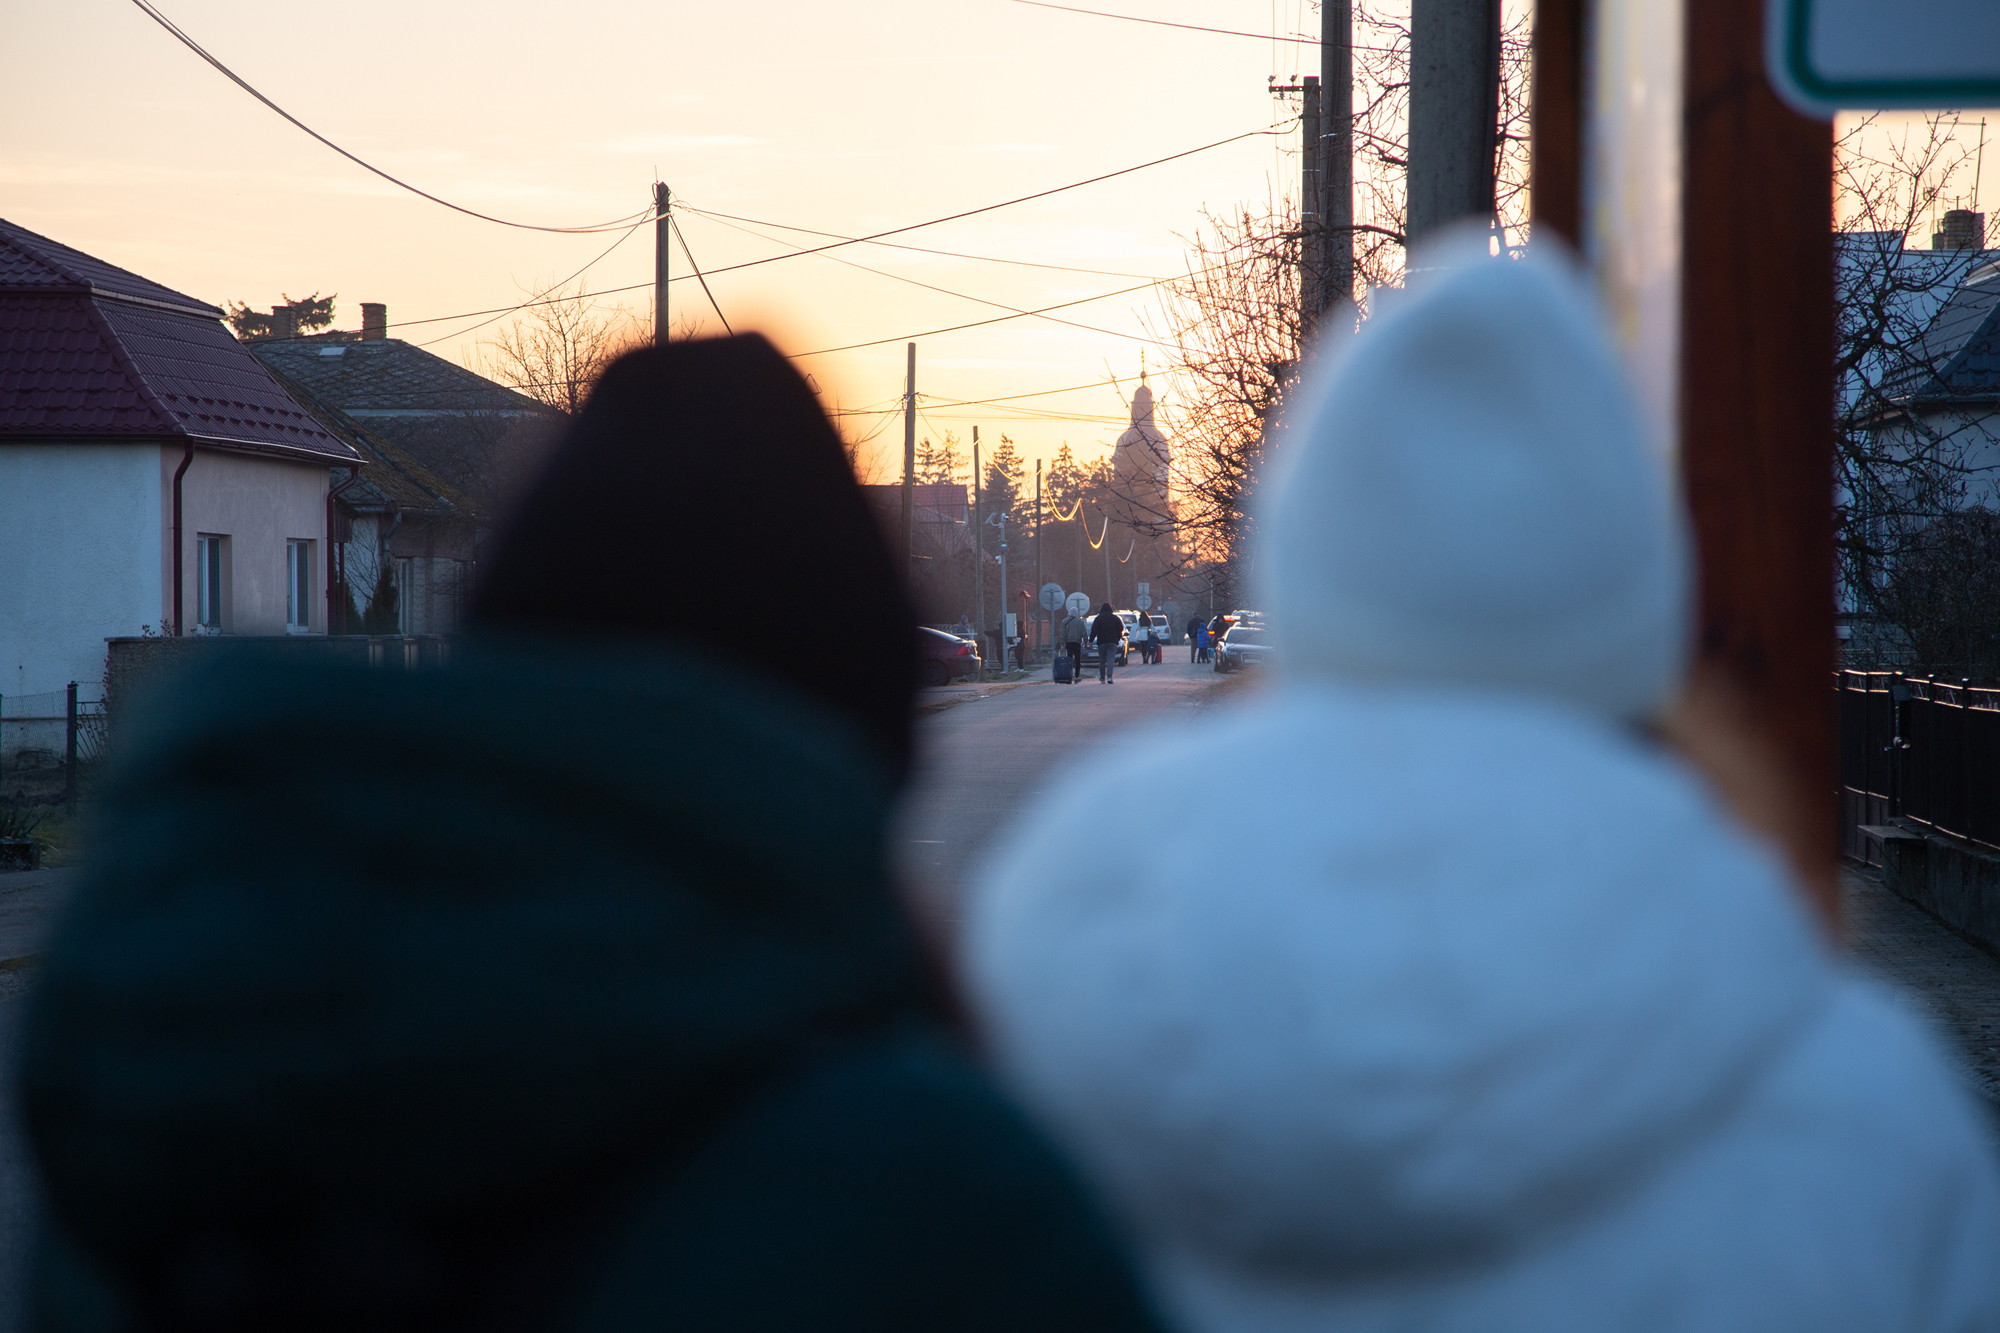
(979, 759)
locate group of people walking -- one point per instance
(630, 1027)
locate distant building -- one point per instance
(448, 444)
(1142, 513)
(138, 436)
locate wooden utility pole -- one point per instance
(1454, 111)
(1336, 150)
(979, 554)
(1756, 397)
(905, 529)
(1755, 375)
(662, 231)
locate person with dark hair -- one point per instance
(564, 985)
(1194, 633)
(1107, 631)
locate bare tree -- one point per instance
(1902, 463)
(555, 350)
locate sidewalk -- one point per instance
(28, 903)
(1958, 981)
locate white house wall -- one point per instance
(260, 504)
(80, 543)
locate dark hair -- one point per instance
(697, 450)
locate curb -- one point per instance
(987, 692)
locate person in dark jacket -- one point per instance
(1107, 631)
(563, 986)
(1194, 630)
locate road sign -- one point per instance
(1145, 589)
(1052, 596)
(1830, 55)
(1078, 604)
(1144, 599)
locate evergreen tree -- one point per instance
(940, 463)
(1004, 474)
(381, 617)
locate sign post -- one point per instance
(1078, 604)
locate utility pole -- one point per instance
(1038, 551)
(909, 461)
(979, 549)
(662, 229)
(1336, 153)
(1454, 111)
(1003, 593)
(1312, 231)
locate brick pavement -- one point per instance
(1958, 981)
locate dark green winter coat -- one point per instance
(560, 988)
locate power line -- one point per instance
(537, 299)
(942, 291)
(918, 249)
(864, 240)
(675, 224)
(150, 12)
(1192, 27)
(977, 323)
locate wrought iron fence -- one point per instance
(1920, 750)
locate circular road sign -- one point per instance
(1078, 604)
(1052, 596)
(1145, 601)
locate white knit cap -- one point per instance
(1464, 495)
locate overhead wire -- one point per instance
(1192, 27)
(898, 245)
(146, 8)
(978, 323)
(537, 299)
(676, 226)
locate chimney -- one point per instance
(284, 322)
(374, 322)
(1963, 230)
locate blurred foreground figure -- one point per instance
(1474, 1009)
(563, 988)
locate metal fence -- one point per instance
(1919, 750)
(64, 729)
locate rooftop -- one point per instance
(89, 351)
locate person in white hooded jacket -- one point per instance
(1471, 1007)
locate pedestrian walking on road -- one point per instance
(1203, 636)
(1074, 630)
(1108, 631)
(622, 1030)
(1194, 628)
(1385, 1057)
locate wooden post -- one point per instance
(1556, 166)
(1756, 398)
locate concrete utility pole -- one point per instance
(1336, 152)
(1038, 551)
(904, 531)
(662, 229)
(978, 550)
(1312, 231)
(1454, 111)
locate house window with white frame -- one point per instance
(298, 587)
(210, 569)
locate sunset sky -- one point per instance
(842, 117)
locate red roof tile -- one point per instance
(91, 351)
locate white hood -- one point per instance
(1463, 494)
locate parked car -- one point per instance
(1243, 645)
(945, 657)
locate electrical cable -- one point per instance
(979, 323)
(676, 226)
(537, 299)
(1097, 545)
(895, 245)
(857, 240)
(1192, 27)
(150, 12)
(942, 291)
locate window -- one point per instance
(208, 575)
(298, 587)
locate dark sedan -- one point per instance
(943, 658)
(1243, 645)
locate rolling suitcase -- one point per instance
(1062, 666)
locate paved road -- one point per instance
(978, 760)
(27, 903)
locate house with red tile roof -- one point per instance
(154, 477)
